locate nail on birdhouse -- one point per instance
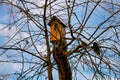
(57, 29)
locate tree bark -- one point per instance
(62, 62)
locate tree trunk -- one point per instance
(62, 62)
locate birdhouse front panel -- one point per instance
(57, 31)
(54, 33)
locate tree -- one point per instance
(89, 23)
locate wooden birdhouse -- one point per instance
(57, 29)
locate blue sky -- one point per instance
(98, 16)
(4, 11)
(8, 68)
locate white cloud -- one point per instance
(3, 30)
(12, 32)
(42, 49)
(16, 35)
(9, 68)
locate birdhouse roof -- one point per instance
(54, 18)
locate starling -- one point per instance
(96, 48)
(69, 1)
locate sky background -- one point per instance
(9, 31)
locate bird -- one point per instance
(96, 48)
(69, 1)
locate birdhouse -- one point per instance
(57, 29)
